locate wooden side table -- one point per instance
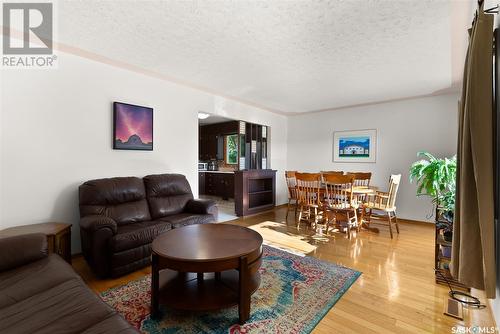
(58, 236)
(206, 267)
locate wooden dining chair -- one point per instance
(336, 172)
(384, 203)
(330, 172)
(291, 184)
(308, 196)
(339, 204)
(361, 179)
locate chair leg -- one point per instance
(327, 221)
(369, 219)
(315, 217)
(300, 215)
(358, 222)
(396, 221)
(390, 223)
(296, 207)
(337, 225)
(348, 226)
(287, 210)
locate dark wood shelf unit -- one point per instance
(255, 191)
(254, 158)
(260, 192)
(442, 262)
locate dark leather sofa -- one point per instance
(121, 216)
(41, 293)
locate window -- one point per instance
(232, 149)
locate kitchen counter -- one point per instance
(216, 183)
(216, 171)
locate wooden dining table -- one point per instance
(359, 190)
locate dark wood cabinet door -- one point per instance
(209, 183)
(212, 147)
(219, 185)
(229, 185)
(201, 183)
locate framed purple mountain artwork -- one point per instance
(132, 127)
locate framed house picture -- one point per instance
(132, 127)
(355, 146)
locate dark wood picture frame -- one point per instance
(138, 147)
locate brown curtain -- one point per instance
(473, 254)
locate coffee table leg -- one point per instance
(244, 291)
(155, 286)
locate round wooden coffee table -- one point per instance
(206, 267)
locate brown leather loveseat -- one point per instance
(41, 293)
(121, 216)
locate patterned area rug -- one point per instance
(295, 294)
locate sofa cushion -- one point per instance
(23, 249)
(130, 212)
(138, 234)
(33, 278)
(167, 194)
(184, 219)
(121, 198)
(47, 296)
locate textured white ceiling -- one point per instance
(289, 56)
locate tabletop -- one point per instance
(207, 242)
(50, 228)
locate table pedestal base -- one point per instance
(205, 291)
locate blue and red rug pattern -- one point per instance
(295, 294)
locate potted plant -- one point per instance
(436, 178)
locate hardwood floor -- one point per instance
(395, 294)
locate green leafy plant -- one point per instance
(435, 178)
(232, 149)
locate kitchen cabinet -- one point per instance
(219, 184)
(201, 183)
(211, 139)
(207, 146)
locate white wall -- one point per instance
(403, 129)
(56, 129)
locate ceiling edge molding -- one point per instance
(137, 69)
(451, 90)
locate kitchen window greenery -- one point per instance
(232, 149)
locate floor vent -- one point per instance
(453, 308)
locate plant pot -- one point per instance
(446, 251)
(448, 236)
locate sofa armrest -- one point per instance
(94, 223)
(22, 249)
(202, 207)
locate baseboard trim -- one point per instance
(412, 221)
(490, 307)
